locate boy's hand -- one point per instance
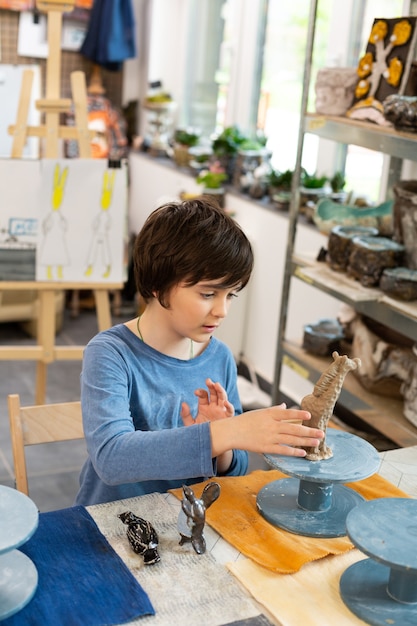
(212, 405)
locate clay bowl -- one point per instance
(323, 337)
(401, 111)
(370, 256)
(399, 283)
(340, 244)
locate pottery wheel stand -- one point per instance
(18, 575)
(52, 106)
(382, 590)
(312, 503)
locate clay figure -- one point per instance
(321, 402)
(142, 537)
(192, 516)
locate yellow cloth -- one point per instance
(236, 518)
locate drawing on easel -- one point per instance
(99, 252)
(63, 220)
(53, 252)
(83, 235)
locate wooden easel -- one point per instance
(51, 132)
(53, 105)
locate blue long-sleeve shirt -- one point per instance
(131, 399)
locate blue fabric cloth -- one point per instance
(131, 399)
(110, 36)
(81, 578)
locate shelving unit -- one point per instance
(383, 414)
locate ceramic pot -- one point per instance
(218, 195)
(405, 219)
(181, 155)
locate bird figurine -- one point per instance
(142, 537)
(192, 515)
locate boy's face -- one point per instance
(196, 311)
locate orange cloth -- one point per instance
(236, 518)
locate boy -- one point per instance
(149, 423)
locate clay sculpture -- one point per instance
(142, 537)
(321, 402)
(192, 516)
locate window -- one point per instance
(203, 91)
(282, 78)
(242, 62)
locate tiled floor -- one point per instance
(54, 469)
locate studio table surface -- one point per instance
(225, 586)
(236, 518)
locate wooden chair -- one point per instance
(43, 423)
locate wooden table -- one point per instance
(46, 352)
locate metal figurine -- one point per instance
(192, 516)
(142, 537)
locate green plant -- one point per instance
(312, 181)
(251, 144)
(228, 142)
(186, 138)
(337, 182)
(281, 180)
(213, 177)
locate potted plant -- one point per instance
(212, 180)
(251, 154)
(313, 187)
(337, 183)
(279, 187)
(313, 182)
(183, 141)
(225, 148)
(280, 180)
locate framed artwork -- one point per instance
(384, 69)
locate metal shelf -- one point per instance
(383, 413)
(369, 301)
(365, 134)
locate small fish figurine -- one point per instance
(192, 515)
(142, 537)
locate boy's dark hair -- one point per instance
(190, 241)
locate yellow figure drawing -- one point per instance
(54, 252)
(100, 227)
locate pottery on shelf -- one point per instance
(400, 283)
(329, 214)
(340, 244)
(401, 111)
(335, 90)
(370, 256)
(405, 219)
(323, 337)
